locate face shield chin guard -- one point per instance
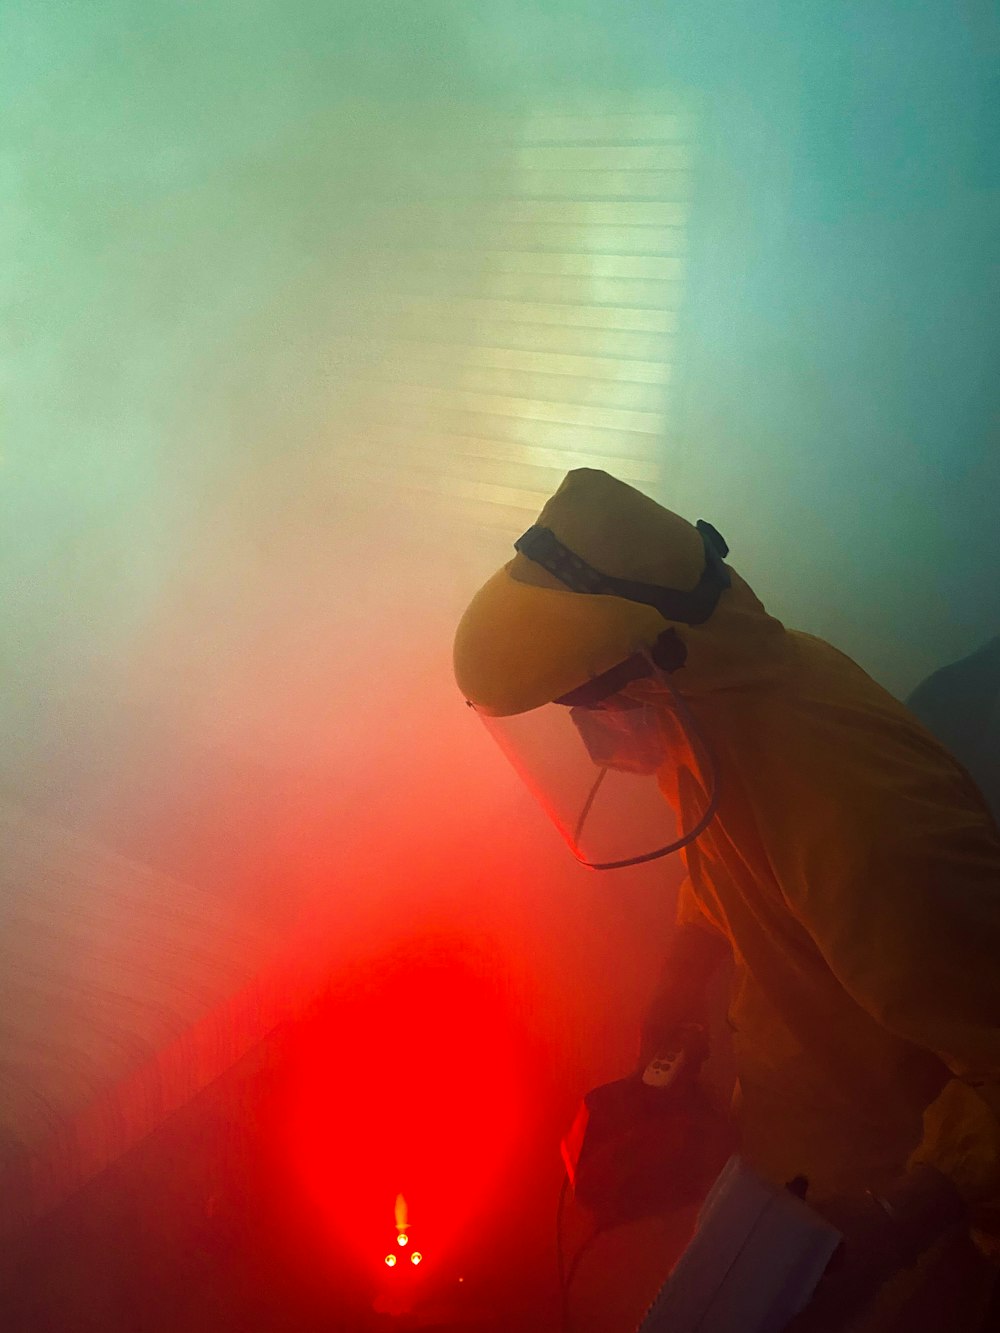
(620, 765)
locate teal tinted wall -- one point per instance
(195, 215)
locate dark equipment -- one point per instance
(636, 1150)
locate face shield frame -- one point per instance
(686, 606)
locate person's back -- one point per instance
(842, 835)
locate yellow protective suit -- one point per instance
(852, 866)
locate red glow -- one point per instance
(432, 1107)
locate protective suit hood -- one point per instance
(527, 639)
(586, 654)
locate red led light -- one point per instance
(348, 1142)
(390, 1260)
(416, 1257)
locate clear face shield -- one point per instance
(619, 765)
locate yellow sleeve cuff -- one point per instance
(962, 1140)
(689, 909)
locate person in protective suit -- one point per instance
(836, 853)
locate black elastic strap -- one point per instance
(590, 694)
(692, 607)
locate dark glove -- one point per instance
(883, 1233)
(671, 1023)
(647, 1150)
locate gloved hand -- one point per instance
(664, 1026)
(680, 999)
(882, 1234)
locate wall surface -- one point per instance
(308, 308)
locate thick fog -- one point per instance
(308, 309)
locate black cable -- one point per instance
(567, 1321)
(560, 1250)
(566, 1275)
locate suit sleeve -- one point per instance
(912, 932)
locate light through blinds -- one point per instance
(537, 328)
